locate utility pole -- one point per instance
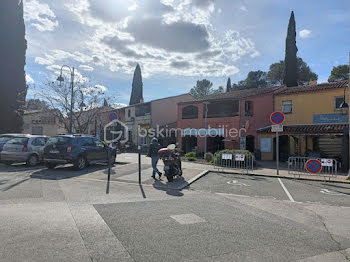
(61, 79)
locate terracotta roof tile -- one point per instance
(311, 88)
(239, 93)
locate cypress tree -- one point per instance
(228, 85)
(291, 64)
(137, 87)
(13, 88)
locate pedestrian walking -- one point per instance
(153, 153)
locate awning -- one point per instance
(312, 129)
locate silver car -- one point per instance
(24, 148)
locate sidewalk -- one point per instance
(264, 169)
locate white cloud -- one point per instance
(243, 8)
(178, 38)
(305, 33)
(119, 105)
(43, 61)
(86, 68)
(101, 88)
(87, 91)
(29, 79)
(40, 15)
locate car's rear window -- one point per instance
(59, 140)
(4, 139)
(18, 141)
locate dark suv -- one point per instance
(79, 150)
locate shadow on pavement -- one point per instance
(165, 187)
(66, 172)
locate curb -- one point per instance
(281, 176)
(189, 182)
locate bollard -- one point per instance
(109, 169)
(139, 149)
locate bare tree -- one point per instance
(87, 102)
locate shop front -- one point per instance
(312, 140)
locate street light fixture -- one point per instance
(61, 79)
(82, 105)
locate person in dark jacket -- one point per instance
(153, 153)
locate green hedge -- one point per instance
(209, 157)
(191, 156)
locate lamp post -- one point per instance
(206, 126)
(61, 79)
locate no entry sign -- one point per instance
(314, 166)
(277, 118)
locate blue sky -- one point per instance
(177, 42)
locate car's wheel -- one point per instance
(169, 176)
(81, 163)
(33, 160)
(50, 165)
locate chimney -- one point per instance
(313, 82)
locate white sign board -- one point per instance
(277, 128)
(239, 157)
(226, 156)
(265, 145)
(326, 162)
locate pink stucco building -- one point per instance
(232, 120)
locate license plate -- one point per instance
(54, 152)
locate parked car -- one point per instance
(23, 148)
(79, 150)
(4, 138)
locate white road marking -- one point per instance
(286, 190)
(236, 183)
(187, 219)
(329, 192)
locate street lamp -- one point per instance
(206, 103)
(61, 79)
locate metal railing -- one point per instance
(240, 162)
(297, 166)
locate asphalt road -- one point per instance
(215, 229)
(328, 193)
(66, 215)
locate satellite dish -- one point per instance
(171, 146)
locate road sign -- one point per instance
(226, 156)
(277, 118)
(113, 116)
(314, 166)
(327, 162)
(239, 157)
(277, 128)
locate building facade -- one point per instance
(156, 114)
(38, 122)
(228, 120)
(314, 123)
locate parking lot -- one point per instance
(329, 193)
